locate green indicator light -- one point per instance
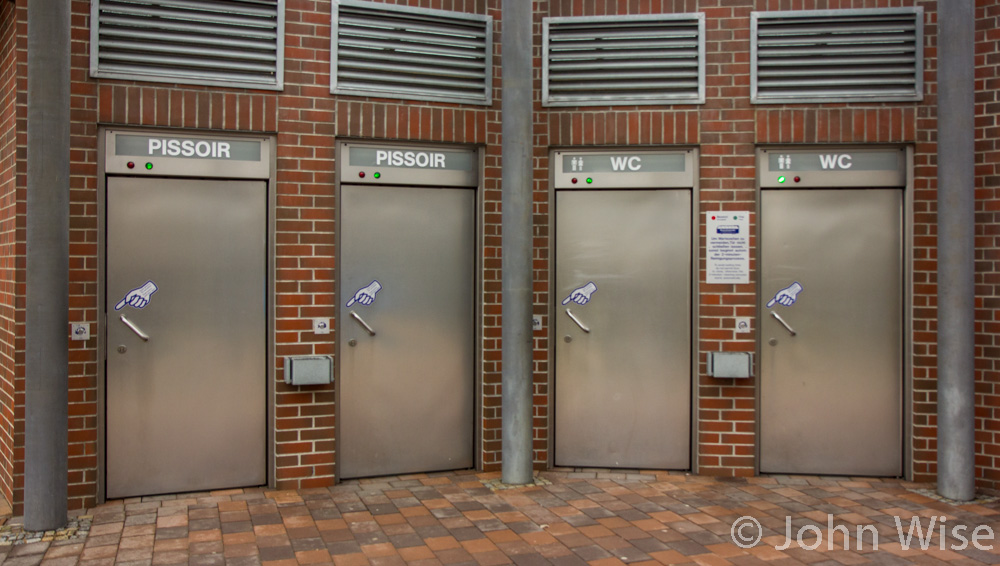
(589, 180)
(377, 175)
(149, 166)
(781, 179)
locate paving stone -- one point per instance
(601, 517)
(62, 561)
(140, 519)
(344, 547)
(571, 560)
(243, 561)
(171, 532)
(26, 560)
(324, 513)
(215, 559)
(591, 552)
(28, 549)
(688, 547)
(385, 508)
(469, 505)
(530, 559)
(307, 544)
(269, 553)
(407, 540)
(432, 531)
(237, 527)
(209, 547)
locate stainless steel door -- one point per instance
(187, 269)
(407, 324)
(831, 332)
(623, 328)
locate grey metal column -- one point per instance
(47, 268)
(516, 174)
(956, 231)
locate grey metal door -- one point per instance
(186, 335)
(623, 328)
(831, 332)
(407, 324)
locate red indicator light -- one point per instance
(797, 179)
(573, 181)
(361, 174)
(130, 165)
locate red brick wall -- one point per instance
(727, 129)
(304, 115)
(593, 126)
(988, 244)
(725, 411)
(13, 113)
(308, 121)
(83, 268)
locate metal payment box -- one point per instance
(308, 370)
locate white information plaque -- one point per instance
(727, 251)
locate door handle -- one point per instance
(777, 317)
(361, 321)
(134, 328)
(582, 326)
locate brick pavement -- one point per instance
(572, 518)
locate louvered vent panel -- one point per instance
(411, 53)
(624, 60)
(838, 56)
(218, 42)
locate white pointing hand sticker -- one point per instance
(138, 297)
(786, 297)
(366, 295)
(581, 296)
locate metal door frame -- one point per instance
(266, 172)
(671, 182)
(421, 178)
(829, 181)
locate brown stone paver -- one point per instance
(574, 518)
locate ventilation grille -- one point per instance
(216, 42)
(623, 60)
(411, 53)
(837, 56)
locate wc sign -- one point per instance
(842, 161)
(827, 161)
(886, 160)
(623, 163)
(619, 163)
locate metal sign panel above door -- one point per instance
(187, 155)
(832, 167)
(386, 164)
(623, 168)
